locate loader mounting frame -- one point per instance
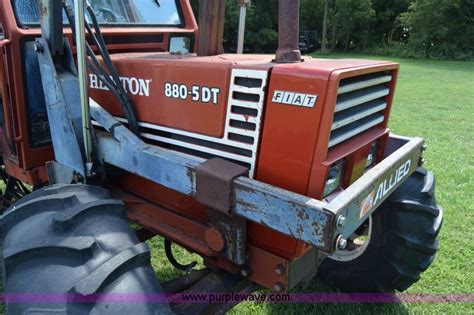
(303, 218)
(307, 219)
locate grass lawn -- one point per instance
(434, 100)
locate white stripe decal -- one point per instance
(229, 130)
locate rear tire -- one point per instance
(403, 242)
(74, 239)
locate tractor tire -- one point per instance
(401, 245)
(73, 241)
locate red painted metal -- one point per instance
(215, 239)
(162, 69)
(293, 152)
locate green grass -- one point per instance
(434, 100)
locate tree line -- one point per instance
(440, 29)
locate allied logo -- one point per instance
(384, 188)
(296, 99)
(366, 204)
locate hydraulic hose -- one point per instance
(101, 45)
(108, 74)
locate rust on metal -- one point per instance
(242, 2)
(263, 264)
(185, 281)
(235, 230)
(145, 235)
(214, 183)
(211, 27)
(156, 219)
(288, 31)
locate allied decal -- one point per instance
(384, 188)
(296, 99)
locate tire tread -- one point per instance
(404, 244)
(94, 250)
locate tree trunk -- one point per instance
(325, 26)
(390, 39)
(366, 39)
(347, 41)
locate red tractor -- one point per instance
(272, 168)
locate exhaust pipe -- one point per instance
(211, 27)
(288, 32)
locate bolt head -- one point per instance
(215, 239)
(280, 270)
(38, 48)
(342, 243)
(245, 272)
(422, 161)
(279, 287)
(340, 221)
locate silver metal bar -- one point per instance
(351, 115)
(358, 85)
(360, 97)
(64, 113)
(292, 214)
(347, 132)
(366, 194)
(82, 76)
(51, 25)
(301, 217)
(243, 16)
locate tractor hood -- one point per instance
(192, 94)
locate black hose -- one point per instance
(112, 80)
(90, 52)
(94, 65)
(101, 45)
(174, 262)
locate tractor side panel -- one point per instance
(172, 93)
(287, 146)
(22, 159)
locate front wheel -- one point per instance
(71, 241)
(394, 246)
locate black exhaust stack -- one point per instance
(288, 32)
(211, 27)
